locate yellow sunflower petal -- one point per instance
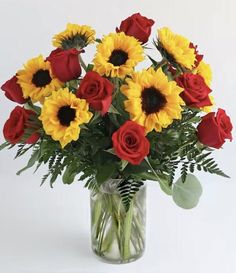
(117, 55)
(37, 80)
(205, 71)
(208, 109)
(158, 103)
(61, 115)
(177, 47)
(74, 36)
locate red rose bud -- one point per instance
(137, 26)
(33, 138)
(213, 130)
(172, 70)
(130, 143)
(196, 92)
(65, 64)
(14, 128)
(13, 90)
(97, 91)
(198, 57)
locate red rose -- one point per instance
(97, 91)
(130, 143)
(14, 128)
(65, 64)
(198, 57)
(196, 92)
(137, 26)
(213, 130)
(13, 90)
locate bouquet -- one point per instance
(115, 126)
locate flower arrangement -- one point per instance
(106, 121)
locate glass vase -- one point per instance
(118, 236)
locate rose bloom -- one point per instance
(130, 143)
(137, 26)
(97, 91)
(65, 64)
(214, 129)
(13, 90)
(14, 128)
(196, 92)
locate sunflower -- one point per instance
(37, 80)
(61, 115)
(176, 48)
(204, 70)
(74, 36)
(117, 55)
(153, 101)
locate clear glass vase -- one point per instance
(117, 236)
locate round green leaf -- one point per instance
(186, 195)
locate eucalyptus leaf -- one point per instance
(186, 195)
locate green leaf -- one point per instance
(30, 106)
(104, 172)
(89, 67)
(164, 185)
(150, 176)
(136, 169)
(69, 174)
(4, 145)
(186, 195)
(34, 157)
(127, 190)
(124, 163)
(154, 62)
(110, 151)
(113, 110)
(147, 176)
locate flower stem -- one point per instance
(127, 232)
(82, 63)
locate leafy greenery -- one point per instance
(91, 158)
(187, 194)
(127, 189)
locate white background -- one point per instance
(45, 230)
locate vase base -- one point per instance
(111, 260)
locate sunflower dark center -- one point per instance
(41, 78)
(118, 57)
(66, 115)
(152, 100)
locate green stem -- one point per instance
(102, 232)
(127, 232)
(82, 63)
(161, 63)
